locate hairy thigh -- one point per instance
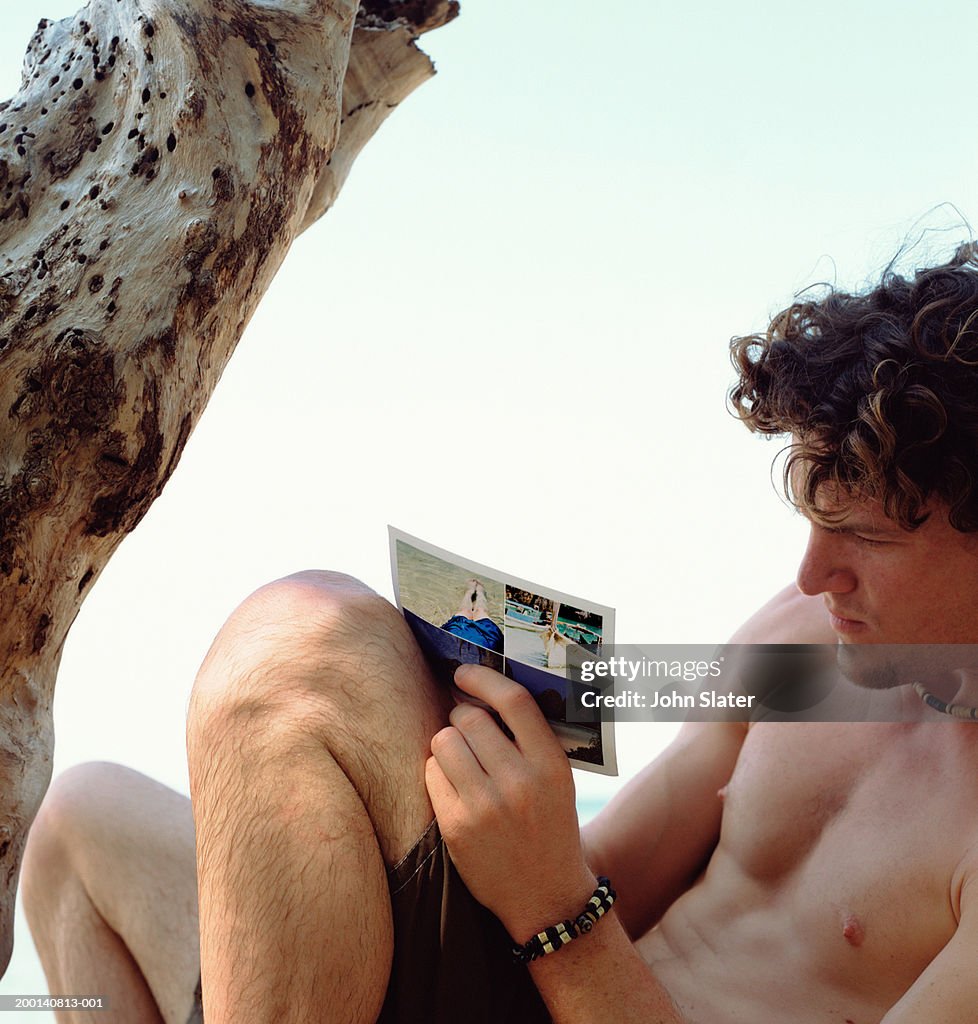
(130, 842)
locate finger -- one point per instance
(457, 761)
(442, 794)
(513, 702)
(493, 749)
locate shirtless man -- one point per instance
(800, 872)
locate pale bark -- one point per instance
(156, 165)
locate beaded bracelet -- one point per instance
(554, 938)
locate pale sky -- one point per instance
(509, 337)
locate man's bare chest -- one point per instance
(862, 833)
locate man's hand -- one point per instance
(506, 807)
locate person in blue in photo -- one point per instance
(472, 622)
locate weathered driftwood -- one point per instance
(156, 165)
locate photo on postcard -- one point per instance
(548, 633)
(581, 742)
(445, 651)
(451, 597)
(462, 612)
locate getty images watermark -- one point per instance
(628, 670)
(771, 682)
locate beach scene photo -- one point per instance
(451, 597)
(548, 633)
(580, 742)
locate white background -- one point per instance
(509, 337)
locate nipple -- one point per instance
(852, 930)
(722, 793)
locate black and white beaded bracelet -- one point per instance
(554, 938)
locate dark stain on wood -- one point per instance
(163, 343)
(40, 637)
(122, 508)
(421, 15)
(73, 386)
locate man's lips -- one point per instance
(845, 624)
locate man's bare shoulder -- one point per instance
(790, 617)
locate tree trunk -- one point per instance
(155, 167)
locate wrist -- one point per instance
(560, 900)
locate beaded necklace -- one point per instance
(963, 711)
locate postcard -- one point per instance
(462, 612)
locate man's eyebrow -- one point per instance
(852, 525)
(860, 527)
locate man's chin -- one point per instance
(873, 666)
(884, 666)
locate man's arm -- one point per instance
(656, 836)
(947, 990)
(601, 976)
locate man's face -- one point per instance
(886, 585)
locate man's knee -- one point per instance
(69, 824)
(303, 645)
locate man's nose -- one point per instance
(824, 569)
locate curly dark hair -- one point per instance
(879, 391)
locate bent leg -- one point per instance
(109, 888)
(308, 731)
